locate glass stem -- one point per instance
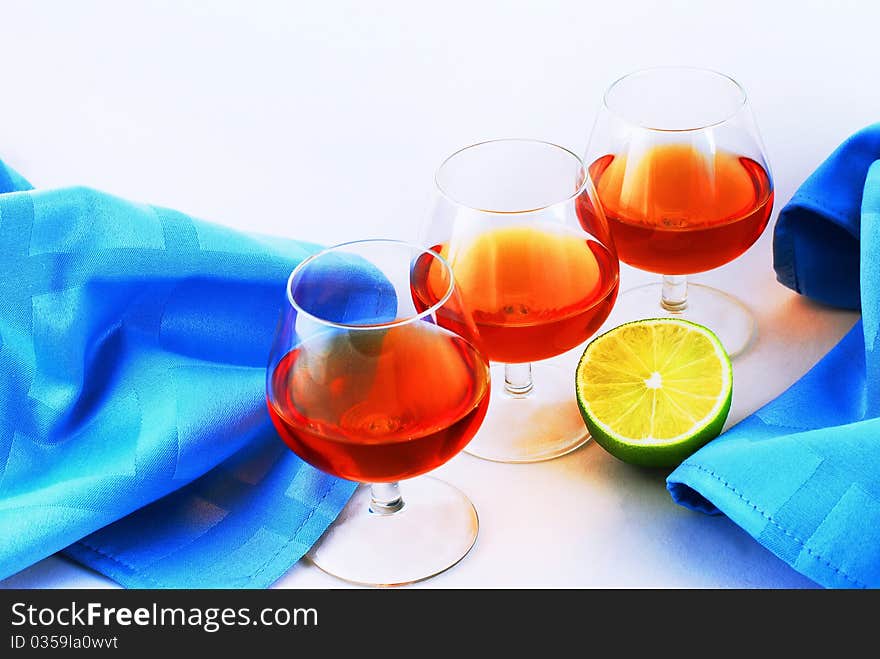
(518, 379)
(385, 498)
(674, 298)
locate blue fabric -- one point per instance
(802, 474)
(133, 423)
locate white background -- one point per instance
(326, 120)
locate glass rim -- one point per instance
(578, 191)
(743, 98)
(375, 326)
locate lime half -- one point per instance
(653, 391)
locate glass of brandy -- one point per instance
(375, 376)
(532, 254)
(680, 171)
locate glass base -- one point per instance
(721, 312)
(434, 530)
(541, 425)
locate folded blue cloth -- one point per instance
(133, 422)
(802, 474)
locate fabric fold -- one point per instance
(802, 474)
(133, 346)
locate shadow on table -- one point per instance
(692, 544)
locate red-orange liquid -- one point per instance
(677, 210)
(380, 405)
(533, 293)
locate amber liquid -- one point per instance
(380, 405)
(677, 210)
(533, 294)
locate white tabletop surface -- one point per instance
(326, 120)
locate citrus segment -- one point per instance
(653, 391)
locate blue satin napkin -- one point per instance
(133, 426)
(802, 474)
